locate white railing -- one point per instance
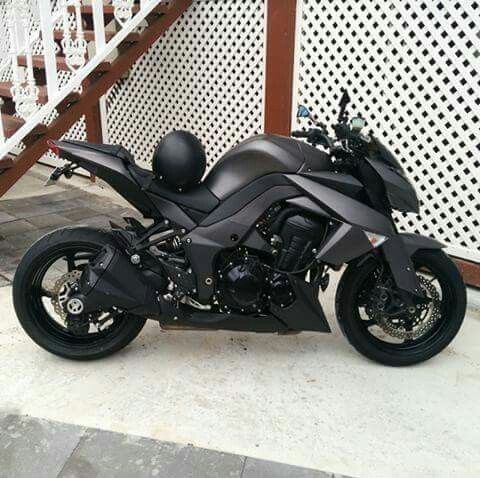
(57, 28)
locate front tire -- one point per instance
(41, 265)
(450, 309)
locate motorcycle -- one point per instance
(248, 248)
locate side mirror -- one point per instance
(344, 102)
(303, 112)
(345, 99)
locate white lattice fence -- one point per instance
(205, 75)
(413, 69)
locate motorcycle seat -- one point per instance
(110, 149)
(198, 198)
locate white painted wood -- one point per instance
(205, 75)
(79, 75)
(47, 26)
(123, 10)
(98, 24)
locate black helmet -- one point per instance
(179, 160)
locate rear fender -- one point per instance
(111, 169)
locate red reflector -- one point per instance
(53, 147)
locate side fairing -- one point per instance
(344, 208)
(400, 191)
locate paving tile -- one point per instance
(49, 220)
(4, 281)
(28, 210)
(60, 196)
(5, 217)
(103, 454)
(79, 213)
(97, 221)
(15, 227)
(94, 201)
(35, 448)
(6, 248)
(267, 469)
(21, 242)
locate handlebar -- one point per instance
(315, 137)
(300, 134)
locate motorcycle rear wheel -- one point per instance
(32, 297)
(434, 267)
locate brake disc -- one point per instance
(62, 291)
(419, 324)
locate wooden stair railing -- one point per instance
(96, 84)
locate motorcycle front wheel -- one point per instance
(43, 280)
(375, 319)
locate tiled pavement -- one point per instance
(31, 447)
(23, 221)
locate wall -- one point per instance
(412, 68)
(206, 75)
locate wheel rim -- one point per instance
(378, 335)
(39, 295)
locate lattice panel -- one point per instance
(413, 69)
(205, 75)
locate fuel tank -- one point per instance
(259, 156)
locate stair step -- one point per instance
(37, 146)
(39, 63)
(7, 162)
(89, 35)
(11, 124)
(5, 92)
(109, 10)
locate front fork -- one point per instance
(347, 243)
(401, 266)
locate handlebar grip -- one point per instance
(300, 134)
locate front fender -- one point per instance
(398, 251)
(415, 242)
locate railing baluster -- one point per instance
(30, 90)
(98, 25)
(75, 49)
(122, 10)
(46, 26)
(24, 97)
(14, 46)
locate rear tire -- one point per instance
(453, 307)
(35, 319)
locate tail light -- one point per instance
(53, 147)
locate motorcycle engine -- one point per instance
(242, 283)
(294, 235)
(247, 284)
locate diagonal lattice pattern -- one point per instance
(413, 70)
(205, 75)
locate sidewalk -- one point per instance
(308, 400)
(30, 447)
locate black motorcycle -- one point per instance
(249, 248)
